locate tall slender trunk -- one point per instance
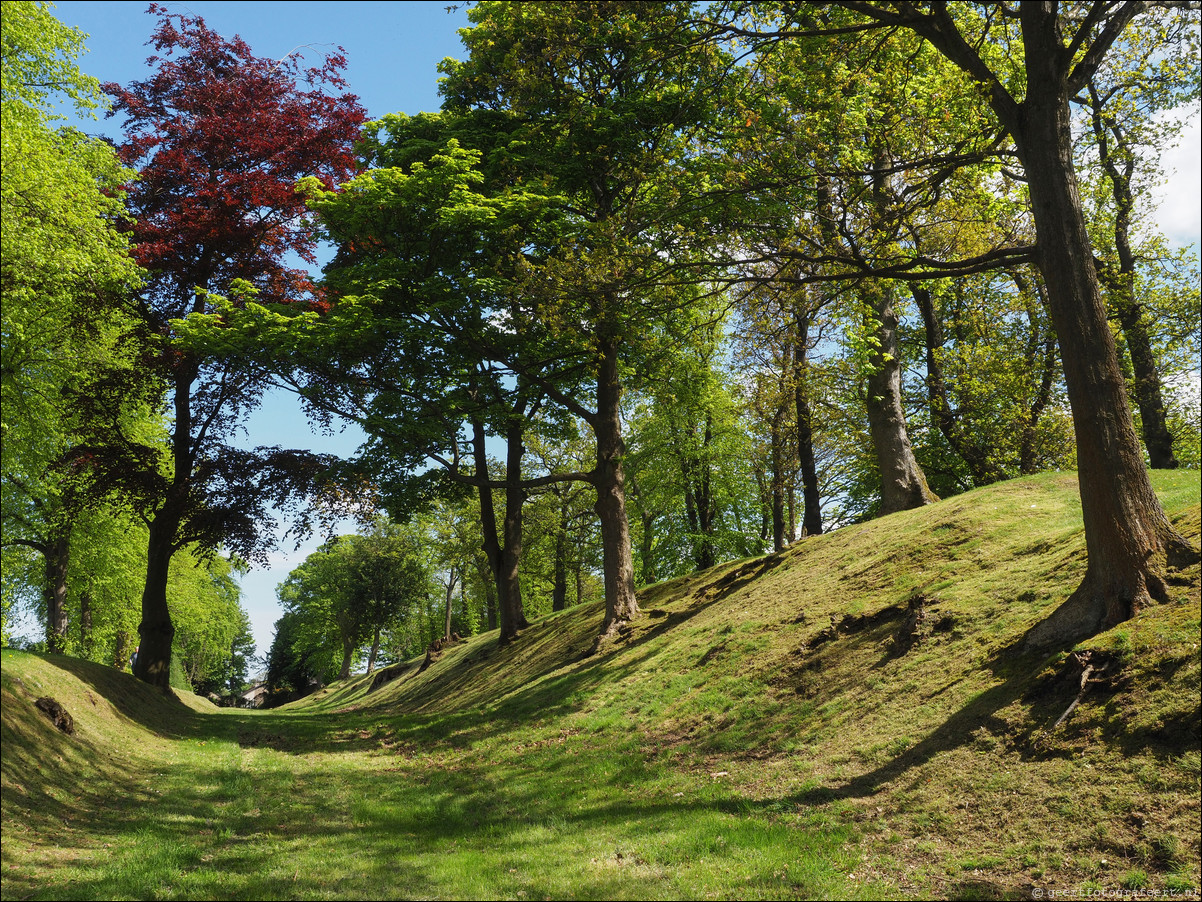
(983, 470)
(504, 552)
(85, 624)
(348, 653)
(1119, 164)
(903, 484)
(559, 583)
(1041, 358)
(647, 569)
(779, 486)
(1129, 540)
(452, 579)
(811, 524)
(621, 603)
(513, 613)
(704, 495)
(488, 580)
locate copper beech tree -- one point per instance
(220, 138)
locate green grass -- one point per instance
(769, 729)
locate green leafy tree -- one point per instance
(1029, 61)
(605, 102)
(66, 277)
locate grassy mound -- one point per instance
(846, 719)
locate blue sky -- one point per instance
(393, 49)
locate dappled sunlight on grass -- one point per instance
(843, 720)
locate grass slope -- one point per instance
(846, 719)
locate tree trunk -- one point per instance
(348, 652)
(621, 603)
(778, 480)
(513, 614)
(58, 557)
(648, 573)
(1119, 168)
(1157, 438)
(704, 496)
(1129, 540)
(375, 649)
(85, 624)
(1041, 358)
(504, 559)
(452, 579)
(559, 585)
(156, 631)
(811, 524)
(903, 484)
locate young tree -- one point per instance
(220, 138)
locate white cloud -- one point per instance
(1179, 199)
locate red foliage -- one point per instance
(220, 138)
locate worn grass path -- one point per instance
(249, 805)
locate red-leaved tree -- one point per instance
(220, 138)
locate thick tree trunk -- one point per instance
(811, 524)
(156, 631)
(903, 484)
(621, 603)
(57, 553)
(1129, 540)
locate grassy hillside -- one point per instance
(847, 719)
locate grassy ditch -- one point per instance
(847, 719)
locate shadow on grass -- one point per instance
(592, 820)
